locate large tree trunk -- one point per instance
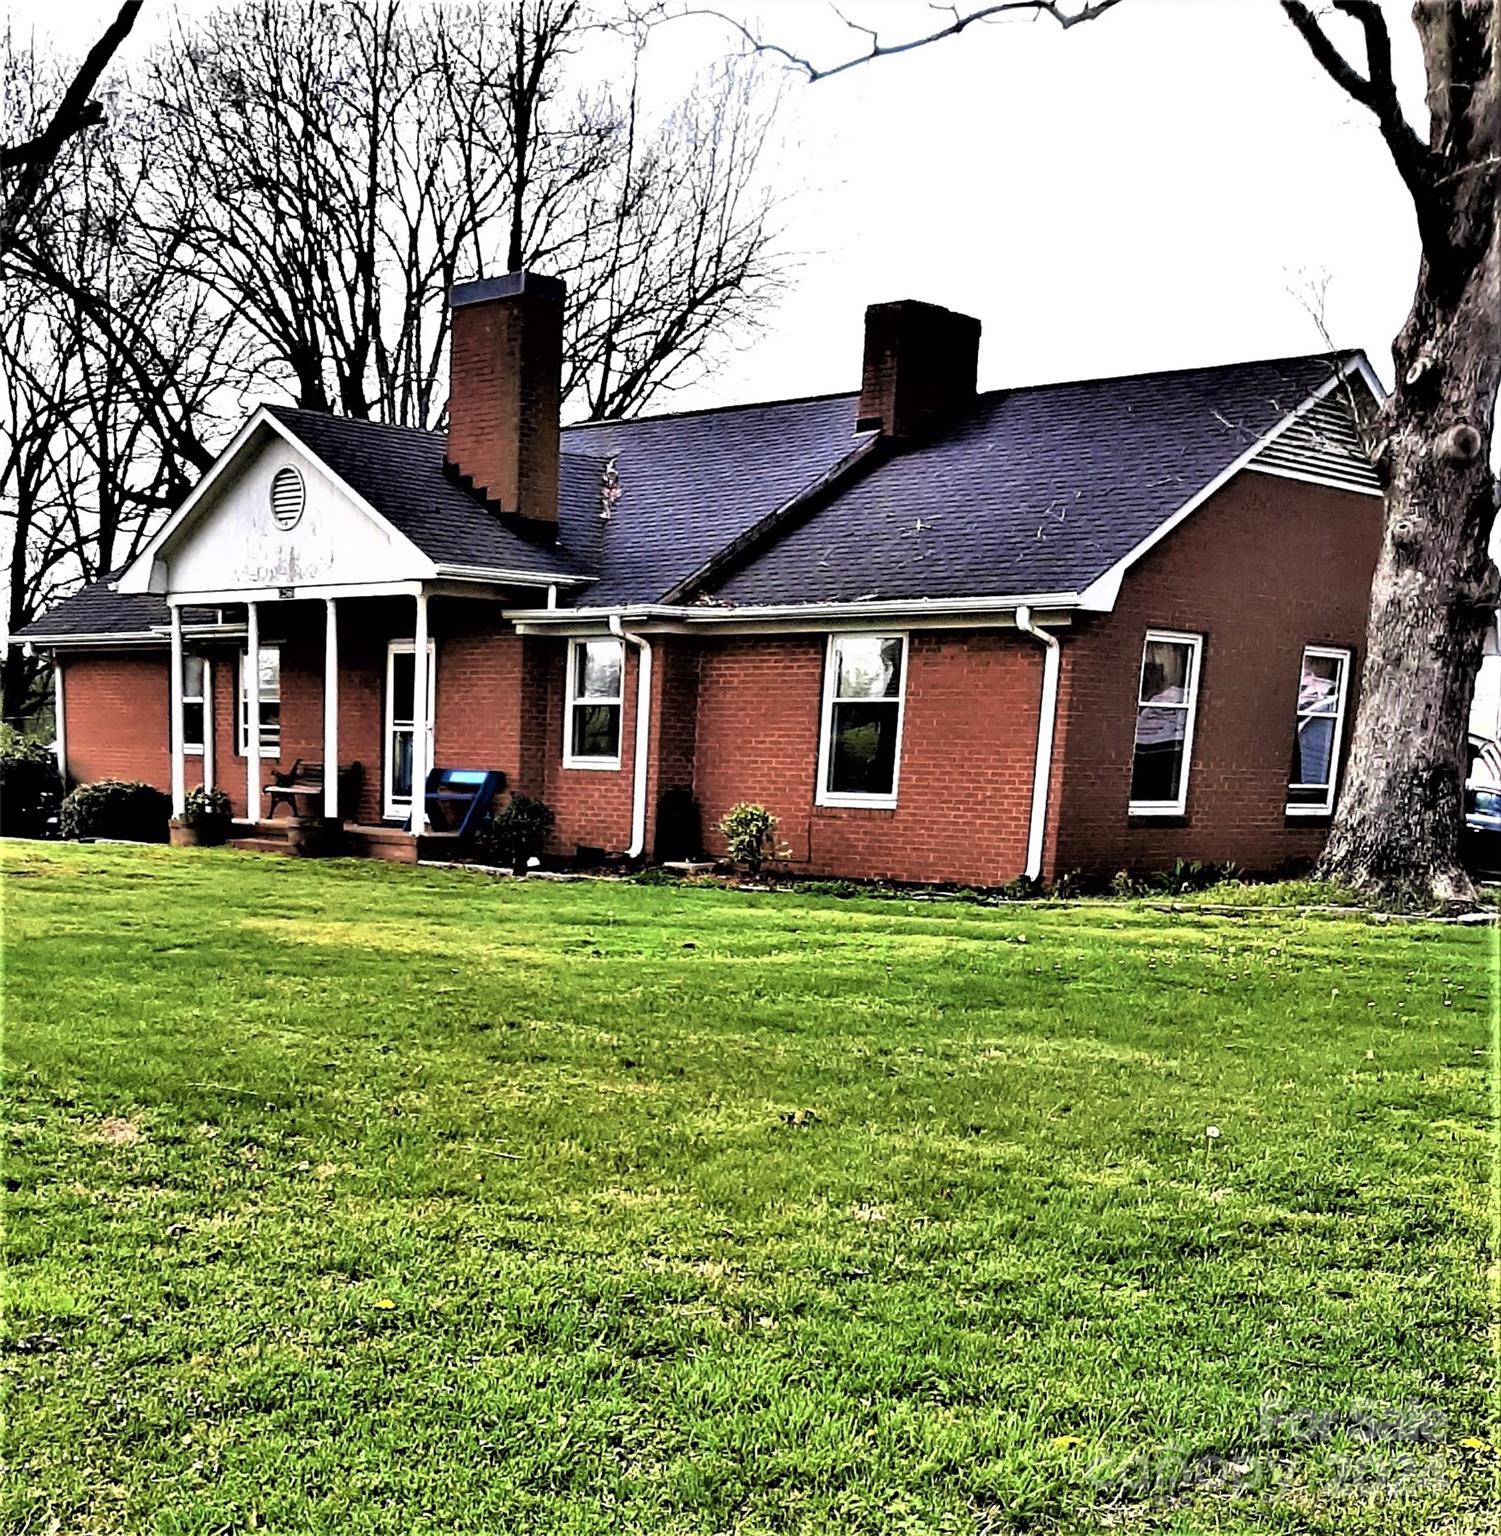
(1396, 832)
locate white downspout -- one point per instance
(643, 734)
(1047, 719)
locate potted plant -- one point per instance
(205, 819)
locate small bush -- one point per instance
(514, 834)
(130, 810)
(750, 834)
(31, 789)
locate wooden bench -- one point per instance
(304, 780)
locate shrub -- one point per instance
(208, 811)
(514, 834)
(31, 789)
(749, 831)
(131, 810)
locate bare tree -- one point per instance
(1396, 831)
(399, 149)
(110, 365)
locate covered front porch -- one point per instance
(306, 709)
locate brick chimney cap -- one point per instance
(922, 307)
(511, 286)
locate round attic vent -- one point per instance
(287, 497)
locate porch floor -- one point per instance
(367, 842)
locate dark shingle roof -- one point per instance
(1032, 490)
(1035, 490)
(98, 609)
(693, 483)
(399, 471)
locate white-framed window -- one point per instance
(270, 703)
(594, 704)
(1323, 681)
(194, 706)
(860, 739)
(1167, 699)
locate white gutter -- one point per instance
(714, 613)
(1047, 720)
(643, 734)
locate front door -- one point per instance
(401, 723)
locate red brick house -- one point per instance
(944, 635)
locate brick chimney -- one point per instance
(920, 367)
(505, 389)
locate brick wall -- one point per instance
(967, 752)
(1263, 568)
(116, 717)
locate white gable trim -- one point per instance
(1102, 592)
(1308, 479)
(144, 573)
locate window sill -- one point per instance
(855, 803)
(1305, 812)
(594, 764)
(1158, 812)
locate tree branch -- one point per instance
(75, 112)
(1416, 163)
(958, 22)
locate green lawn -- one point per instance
(344, 1198)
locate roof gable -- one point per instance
(227, 536)
(400, 471)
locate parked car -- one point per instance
(1482, 834)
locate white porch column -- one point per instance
(60, 719)
(420, 763)
(330, 708)
(208, 723)
(179, 767)
(252, 707)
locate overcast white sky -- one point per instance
(1138, 193)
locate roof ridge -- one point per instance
(1339, 355)
(713, 410)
